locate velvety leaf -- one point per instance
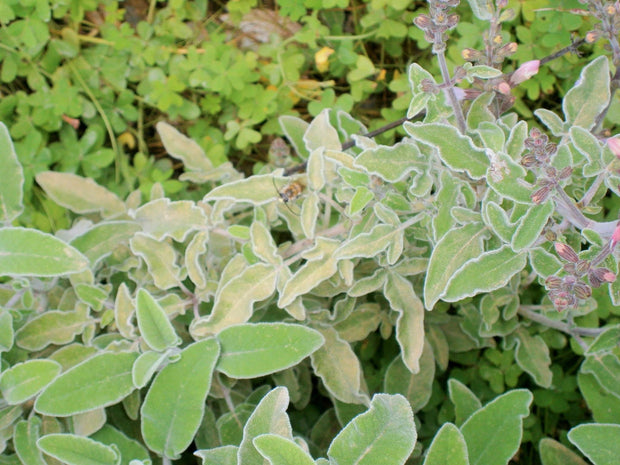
(12, 185)
(52, 327)
(310, 214)
(123, 312)
(410, 322)
(589, 96)
(606, 369)
(80, 195)
(553, 452)
(416, 75)
(77, 450)
(257, 190)
(490, 271)
(385, 430)
(145, 367)
(235, 300)
(25, 437)
(367, 244)
(155, 327)
(551, 120)
(598, 442)
(281, 451)
(339, 368)
(457, 151)
(101, 240)
(224, 455)
(532, 355)
(130, 449)
(507, 178)
(531, 226)
(162, 218)
(606, 341)
(315, 170)
(464, 400)
(360, 323)
(100, 381)
(416, 387)
(482, 9)
(258, 349)
(194, 260)
(605, 407)
(6, 330)
(493, 434)
(294, 128)
(312, 273)
(28, 252)
(496, 218)
(453, 250)
(448, 447)
(23, 380)
(393, 163)
(175, 402)
(320, 133)
(183, 148)
(269, 416)
(543, 262)
(160, 258)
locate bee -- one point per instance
(289, 193)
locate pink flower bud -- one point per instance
(614, 145)
(566, 252)
(615, 237)
(524, 72)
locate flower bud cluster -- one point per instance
(538, 160)
(568, 290)
(608, 14)
(438, 22)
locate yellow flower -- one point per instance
(321, 58)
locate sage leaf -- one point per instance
(257, 190)
(590, 95)
(532, 355)
(130, 449)
(183, 148)
(80, 195)
(385, 430)
(393, 163)
(235, 300)
(175, 402)
(339, 368)
(25, 437)
(448, 447)
(102, 239)
(51, 327)
(28, 252)
(598, 442)
(493, 434)
(153, 322)
(100, 381)
(410, 322)
(464, 400)
(490, 271)
(281, 451)
(160, 258)
(453, 250)
(77, 450)
(163, 218)
(457, 151)
(258, 349)
(416, 387)
(12, 185)
(269, 416)
(23, 380)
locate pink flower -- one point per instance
(614, 145)
(615, 237)
(524, 72)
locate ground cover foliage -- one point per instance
(442, 293)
